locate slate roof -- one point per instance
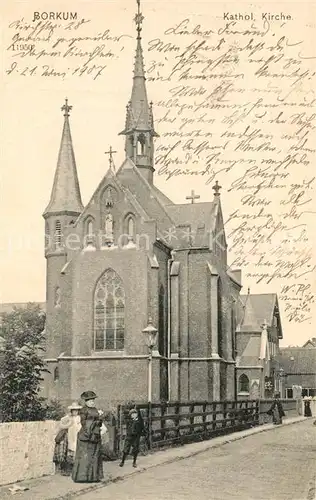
(65, 194)
(192, 214)
(251, 354)
(254, 309)
(295, 360)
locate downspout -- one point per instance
(170, 261)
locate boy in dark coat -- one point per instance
(276, 410)
(135, 428)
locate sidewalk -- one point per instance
(58, 487)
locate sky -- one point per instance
(32, 122)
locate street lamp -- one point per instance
(280, 375)
(151, 335)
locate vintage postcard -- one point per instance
(158, 258)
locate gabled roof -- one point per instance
(254, 309)
(298, 360)
(131, 178)
(310, 343)
(192, 214)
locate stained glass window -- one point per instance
(109, 312)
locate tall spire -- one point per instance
(65, 196)
(139, 123)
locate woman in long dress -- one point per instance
(88, 464)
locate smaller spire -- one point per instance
(216, 189)
(65, 195)
(248, 290)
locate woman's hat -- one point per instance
(88, 395)
(65, 422)
(74, 406)
(133, 411)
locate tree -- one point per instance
(22, 364)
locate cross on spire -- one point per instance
(216, 189)
(110, 153)
(66, 108)
(193, 196)
(138, 19)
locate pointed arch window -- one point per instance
(57, 234)
(130, 226)
(90, 228)
(140, 145)
(243, 383)
(109, 312)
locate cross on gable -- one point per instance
(193, 196)
(66, 108)
(110, 153)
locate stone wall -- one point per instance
(26, 450)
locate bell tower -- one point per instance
(139, 124)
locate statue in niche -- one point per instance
(57, 297)
(109, 229)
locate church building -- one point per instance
(132, 258)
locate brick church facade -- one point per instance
(128, 255)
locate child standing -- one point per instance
(135, 428)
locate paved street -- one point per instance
(274, 465)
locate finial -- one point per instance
(138, 19)
(110, 153)
(216, 189)
(248, 290)
(264, 324)
(66, 108)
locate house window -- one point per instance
(57, 234)
(109, 317)
(243, 383)
(289, 393)
(56, 374)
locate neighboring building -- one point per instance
(131, 254)
(299, 368)
(258, 333)
(310, 343)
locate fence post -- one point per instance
(191, 418)
(162, 420)
(204, 418)
(214, 416)
(177, 419)
(224, 414)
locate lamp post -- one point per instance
(151, 335)
(280, 374)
